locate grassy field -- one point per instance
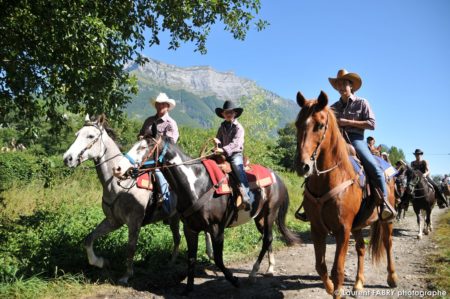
(41, 233)
(440, 260)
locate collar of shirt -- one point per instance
(165, 117)
(350, 99)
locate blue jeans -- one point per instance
(164, 187)
(237, 165)
(371, 166)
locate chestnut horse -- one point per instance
(333, 198)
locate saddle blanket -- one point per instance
(258, 176)
(388, 169)
(144, 182)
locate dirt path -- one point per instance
(296, 276)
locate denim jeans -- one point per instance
(371, 166)
(164, 187)
(237, 164)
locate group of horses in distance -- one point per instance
(333, 199)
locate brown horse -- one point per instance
(332, 199)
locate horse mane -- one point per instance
(103, 121)
(339, 146)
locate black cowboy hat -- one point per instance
(229, 105)
(418, 152)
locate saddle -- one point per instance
(369, 191)
(258, 176)
(144, 181)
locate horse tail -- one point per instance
(376, 247)
(290, 238)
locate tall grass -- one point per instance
(42, 229)
(439, 269)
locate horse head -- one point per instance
(89, 142)
(312, 126)
(148, 151)
(413, 178)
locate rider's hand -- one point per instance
(218, 151)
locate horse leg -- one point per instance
(428, 229)
(103, 228)
(419, 223)
(192, 244)
(361, 251)
(217, 242)
(133, 235)
(266, 230)
(174, 223)
(208, 243)
(318, 239)
(392, 278)
(337, 272)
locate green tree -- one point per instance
(396, 154)
(286, 146)
(59, 56)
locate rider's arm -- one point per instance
(427, 170)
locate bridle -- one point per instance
(313, 157)
(412, 184)
(146, 164)
(90, 144)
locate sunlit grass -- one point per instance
(42, 230)
(440, 259)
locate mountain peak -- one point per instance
(199, 80)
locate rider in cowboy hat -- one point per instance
(230, 142)
(166, 126)
(422, 166)
(354, 115)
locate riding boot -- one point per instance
(245, 198)
(442, 201)
(387, 211)
(301, 215)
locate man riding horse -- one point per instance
(422, 165)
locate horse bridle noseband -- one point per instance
(89, 146)
(314, 154)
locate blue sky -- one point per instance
(400, 48)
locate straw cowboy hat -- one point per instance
(229, 105)
(163, 98)
(344, 75)
(418, 152)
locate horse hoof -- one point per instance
(268, 274)
(419, 237)
(234, 281)
(392, 280)
(123, 281)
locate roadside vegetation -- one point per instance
(47, 210)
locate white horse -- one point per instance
(121, 204)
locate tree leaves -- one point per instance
(69, 56)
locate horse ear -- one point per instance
(322, 101)
(101, 119)
(87, 119)
(300, 99)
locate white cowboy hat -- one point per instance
(163, 98)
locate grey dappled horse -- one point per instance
(124, 204)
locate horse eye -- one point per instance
(319, 126)
(90, 136)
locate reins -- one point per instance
(314, 154)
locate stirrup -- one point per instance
(301, 216)
(386, 213)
